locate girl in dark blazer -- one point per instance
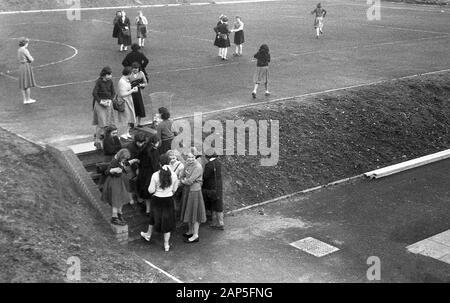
(125, 32)
(223, 42)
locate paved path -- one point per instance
(363, 218)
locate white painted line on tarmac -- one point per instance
(406, 29)
(293, 194)
(127, 7)
(8, 76)
(315, 93)
(162, 271)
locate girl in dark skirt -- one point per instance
(138, 80)
(163, 185)
(124, 32)
(223, 41)
(116, 28)
(148, 164)
(238, 35)
(216, 38)
(141, 25)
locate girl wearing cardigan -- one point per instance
(193, 207)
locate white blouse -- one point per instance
(155, 186)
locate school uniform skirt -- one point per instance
(162, 214)
(239, 37)
(142, 31)
(116, 191)
(124, 37)
(138, 103)
(261, 75)
(192, 206)
(224, 43)
(26, 76)
(103, 116)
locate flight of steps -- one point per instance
(133, 214)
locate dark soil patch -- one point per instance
(44, 221)
(334, 136)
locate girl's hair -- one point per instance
(264, 48)
(106, 71)
(162, 110)
(319, 5)
(126, 71)
(23, 41)
(135, 47)
(109, 129)
(153, 139)
(139, 137)
(165, 115)
(165, 175)
(123, 154)
(175, 153)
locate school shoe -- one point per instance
(267, 93)
(29, 101)
(186, 235)
(116, 221)
(254, 95)
(145, 236)
(193, 241)
(120, 216)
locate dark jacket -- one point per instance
(212, 180)
(136, 56)
(263, 58)
(111, 145)
(103, 90)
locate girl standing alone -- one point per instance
(26, 76)
(262, 69)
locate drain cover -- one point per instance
(314, 247)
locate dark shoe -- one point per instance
(218, 227)
(140, 126)
(194, 241)
(116, 221)
(186, 235)
(254, 95)
(120, 216)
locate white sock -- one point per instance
(225, 51)
(317, 31)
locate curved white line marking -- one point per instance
(53, 42)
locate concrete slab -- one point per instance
(443, 238)
(430, 248)
(314, 247)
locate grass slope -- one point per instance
(44, 221)
(333, 136)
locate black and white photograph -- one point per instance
(223, 147)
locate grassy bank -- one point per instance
(44, 221)
(333, 136)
